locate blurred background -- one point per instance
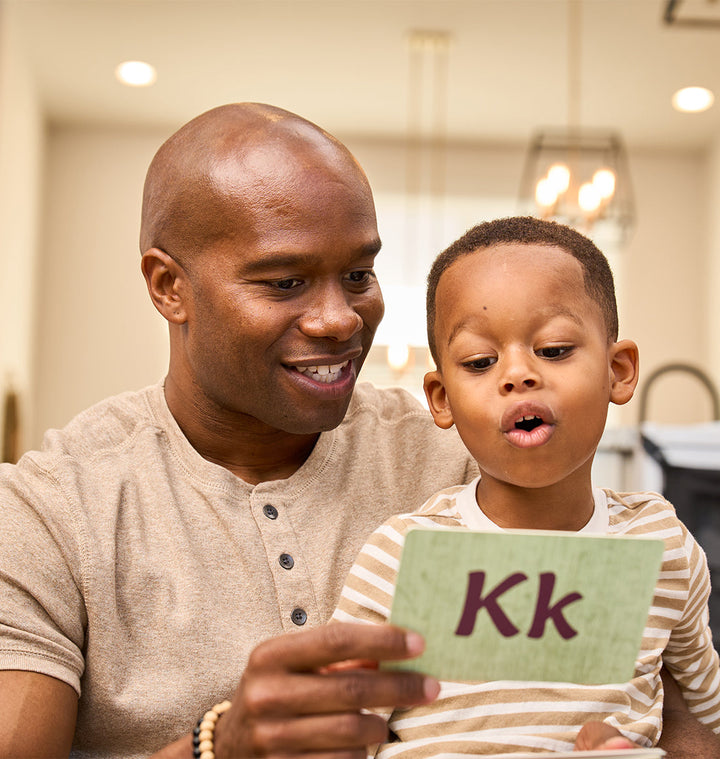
(455, 108)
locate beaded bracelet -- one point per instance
(204, 732)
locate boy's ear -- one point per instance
(437, 400)
(624, 367)
(164, 278)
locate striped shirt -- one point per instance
(509, 716)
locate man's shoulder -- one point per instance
(108, 425)
(395, 416)
(393, 431)
(387, 404)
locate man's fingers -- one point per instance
(310, 649)
(350, 730)
(291, 700)
(310, 693)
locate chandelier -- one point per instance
(579, 176)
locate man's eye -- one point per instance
(479, 364)
(554, 351)
(287, 284)
(361, 276)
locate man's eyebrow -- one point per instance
(285, 260)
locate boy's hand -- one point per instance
(596, 736)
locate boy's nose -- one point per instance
(519, 373)
(529, 382)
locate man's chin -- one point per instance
(314, 423)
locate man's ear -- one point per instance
(164, 278)
(437, 400)
(624, 367)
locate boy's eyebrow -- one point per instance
(551, 312)
(457, 328)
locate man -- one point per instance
(156, 541)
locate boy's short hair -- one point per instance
(529, 230)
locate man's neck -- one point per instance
(244, 446)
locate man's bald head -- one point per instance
(200, 179)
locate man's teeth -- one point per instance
(327, 374)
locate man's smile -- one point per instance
(323, 373)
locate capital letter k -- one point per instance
(474, 601)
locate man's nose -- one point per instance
(331, 315)
(519, 372)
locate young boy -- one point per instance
(522, 324)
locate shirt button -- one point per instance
(299, 617)
(270, 511)
(286, 561)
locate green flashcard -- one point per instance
(516, 605)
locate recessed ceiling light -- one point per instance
(136, 73)
(692, 99)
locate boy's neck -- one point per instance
(568, 505)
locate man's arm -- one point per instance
(37, 714)
(289, 703)
(683, 736)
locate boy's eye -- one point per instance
(479, 364)
(554, 351)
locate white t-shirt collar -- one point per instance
(474, 517)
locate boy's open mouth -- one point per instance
(528, 423)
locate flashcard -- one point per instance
(526, 605)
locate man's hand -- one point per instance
(291, 700)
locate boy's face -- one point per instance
(526, 371)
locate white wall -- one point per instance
(664, 296)
(665, 304)
(99, 334)
(712, 283)
(97, 331)
(21, 142)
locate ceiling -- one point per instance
(345, 63)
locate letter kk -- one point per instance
(475, 601)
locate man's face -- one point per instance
(525, 363)
(282, 309)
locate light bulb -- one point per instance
(604, 181)
(589, 198)
(398, 356)
(692, 99)
(545, 194)
(559, 177)
(136, 73)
